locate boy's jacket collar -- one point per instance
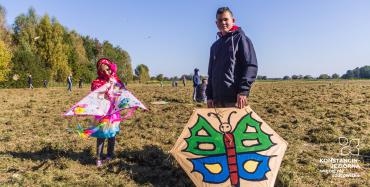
(233, 29)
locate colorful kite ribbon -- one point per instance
(84, 133)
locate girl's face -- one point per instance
(105, 69)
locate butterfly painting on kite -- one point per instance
(226, 151)
(233, 161)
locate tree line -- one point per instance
(43, 47)
(357, 73)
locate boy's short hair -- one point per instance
(222, 10)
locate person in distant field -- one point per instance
(184, 81)
(204, 89)
(174, 82)
(196, 83)
(30, 82)
(69, 82)
(232, 65)
(80, 83)
(45, 82)
(161, 83)
(201, 95)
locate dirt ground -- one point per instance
(38, 148)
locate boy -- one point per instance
(232, 64)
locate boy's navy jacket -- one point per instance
(232, 67)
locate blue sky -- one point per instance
(173, 37)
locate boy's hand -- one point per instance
(241, 101)
(210, 103)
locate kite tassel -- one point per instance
(84, 133)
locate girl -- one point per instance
(106, 74)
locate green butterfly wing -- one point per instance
(212, 137)
(263, 139)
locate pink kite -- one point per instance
(105, 103)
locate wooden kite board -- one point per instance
(229, 147)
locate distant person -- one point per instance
(69, 82)
(30, 82)
(80, 83)
(232, 64)
(201, 95)
(45, 82)
(184, 81)
(174, 82)
(161, 83)
(196, 83)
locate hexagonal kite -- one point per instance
(229, 147)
